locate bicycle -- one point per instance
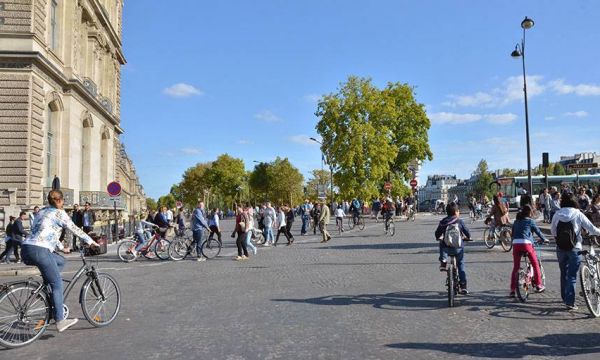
(181, 247)
(26, 306)
(390, 228)
(157, 246)
(410, 214)
(452, 280)
(524, 277)
(503, 234)
(589, 275)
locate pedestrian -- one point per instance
(89, 218)
(324, 221)
(36, 210)
(160, 220)
(453, 218)
(305, 209)
(375, 209)
(316, 215)
(281, 224)
(199, 224)
(213, 225)
(583, 200)
(8, 241)
(180, 222)
(339, 217)
(566, 229)
(151, 215)
(240, 232)
(249, 226)
(77, 218)
(544, 201)
(269, 219)
(169, 215)
(554, 204)
(522, 239)
(289, 221)
(18, 234)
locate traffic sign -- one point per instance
(178, 204)
(113, 189)
(387, 185)
(583, 166)
(414, 183)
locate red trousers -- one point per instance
(518, 250)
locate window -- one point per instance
(50, 148)
(53, 25)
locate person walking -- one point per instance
(18, 234)
(213, 225)
(199, 224)
(566, 229)
(281, 225)
(77, 218)
(240, 232)
(544, 201)
(36, 210)
(269, 219)
(324, 221)
(305, 209)
(249, 227)
(89, 218)
(289, 221)
(8, 241)
(316, 214)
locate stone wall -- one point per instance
(16, 16)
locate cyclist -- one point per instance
(39, 250)
(453, 217)
(522, 234)
(388, 210)
(500, 214)
(142, 234)
(355, 209)
(339, 217)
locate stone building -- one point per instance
(60, 70)
(437, 188)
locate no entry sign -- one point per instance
(414, 183)
(113, 189)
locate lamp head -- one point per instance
(527, 23)
(516, 53)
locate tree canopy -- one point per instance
(369, 132)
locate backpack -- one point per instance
(452, 235)
(565, 235)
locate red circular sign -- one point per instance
(387, 186)
(413, 183)
(114, 189)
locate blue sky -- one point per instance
(242, 77)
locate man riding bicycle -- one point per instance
(388, 210)
(355, 209)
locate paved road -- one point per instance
(361, 296)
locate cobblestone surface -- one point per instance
(363, 295)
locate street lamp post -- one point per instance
(330, 168)
(519, 51)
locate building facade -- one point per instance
(60, 74)
(437, 188)
(582, 158)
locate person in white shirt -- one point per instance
(339, 217)
(213, 225)
(169, 216)
(282, 225)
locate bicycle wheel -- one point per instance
(590, 285)
(161, 250)
(23, 316)
(450, 284)
(211, 248)
(488, 239)
(149, 252)
(523, 280)
(361, 223)
(413, 216)
(391, 228)
(125, 250)
(100, 308)
(351, 223)
(506, 239)
(178, 249)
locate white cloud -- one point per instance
(191, 151)
(500, 118)
(312, 98)
(245, 142)
(267, 116)
(457, 118)
(182, 90)
(477, 99)
(303, 140)
(560, 87)
(549, 118)
(453, 118)
(578, 114)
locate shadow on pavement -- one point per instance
(393, 246)
(547, 345)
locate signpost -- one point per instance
(582, 166)
(114, 190)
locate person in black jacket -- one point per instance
(11, 221)
(19, 234)
(77, 218)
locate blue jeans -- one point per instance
(304, 224)
(460, 260)
(269, 234)
(249, 244)
(198, 235)
(142, 240)
(50, 265)
(568, 261)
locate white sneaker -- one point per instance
(134, 253)
(266, 244)
(201, 259)
(65, 324)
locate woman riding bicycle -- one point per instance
(522, 234)
(38, 250)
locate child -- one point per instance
(339, 217)
(445, 250)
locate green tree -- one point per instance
(259, 181)
(368, 132)
(227, 175)
(558, 169)
(285, 182)
(192, 186)
(167, 200)
(484, 178)
(319, 177)
(151, 204)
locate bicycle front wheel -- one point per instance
(506, 239)
(391, 228)
(361, 223)
(590, 285)
(523, 282)
(23, 316)
(178, 249)
(125, 250)
(100, 300)
(161, 250)
(450, 284)
(351, 223)
(488, 238)
(211, 248)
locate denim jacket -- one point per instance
(522, 231)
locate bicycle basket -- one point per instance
(102, 241)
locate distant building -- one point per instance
(461, 190)
(582, 158)
(437, 188)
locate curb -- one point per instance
(23, 271)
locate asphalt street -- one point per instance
(363, 295)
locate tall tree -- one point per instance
(167, 200)
(484, 178)
(285, 182)
(368, 132)
(259, 181)
(319, 178)
(151, 204)
(194, 182)
(227, 176)
(558, 169)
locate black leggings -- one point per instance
(283, 230)
(14, 245)
(241, 244)
(214, 230)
